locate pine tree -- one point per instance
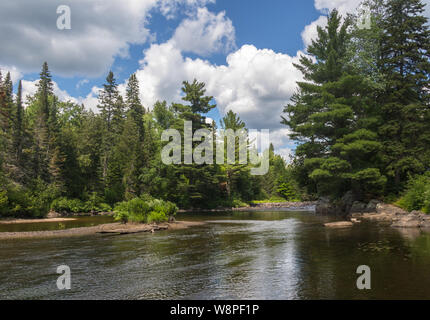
(18, 130)
(134, 104)
(331, 115)
(41, 130)
(405, 131)
(111, 108)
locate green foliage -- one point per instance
(144, 210)
(62, 156)
(93, 205)
(3, 202)
(417, 194)
(288, 191)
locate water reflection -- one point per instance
(246, 255)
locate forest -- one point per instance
(360, 119)
(60, 156)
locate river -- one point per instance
(241, 255)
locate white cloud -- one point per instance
(29, 88)
(100, 31)
(343, 6)
(15, 74)
(81, 83)
(310, 32)
(255, 83)
(205, 33)
(169, 8)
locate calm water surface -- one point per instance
(247, 255)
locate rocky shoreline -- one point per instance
(299, 206)
(356, 212)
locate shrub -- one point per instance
(236, 203)
(33, 202)
(144, 211)
(417, 194)
(94, 204)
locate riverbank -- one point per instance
(299, 206)
(111, 228)
(395, 216)
(19, 221)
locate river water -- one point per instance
(243, 255)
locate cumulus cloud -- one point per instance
(205, 33)
(100, 31)
(310, 32)
(169, 8)
(343, 6)
(15, 74)
(255, 83)
(29, 88)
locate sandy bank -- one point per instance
(111, 228)
(18, 221)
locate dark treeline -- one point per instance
(362, 114)
(59, 155)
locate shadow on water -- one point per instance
(240, 255)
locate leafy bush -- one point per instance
(94, 204)
(33, 202)
(144, 210)
(239, 204)
(417, 194)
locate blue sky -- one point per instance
(274, 24)
(243, 50)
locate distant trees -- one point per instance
(58, 155)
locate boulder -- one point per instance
(371, 206)
(53, 214)
(341, 224)
(324, 207)
(358, 207)
(408, 221)
(389, 209)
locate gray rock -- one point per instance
(358, 207)
(324, 207)
(389, 209)
(408, 221)
(371, 206)
(418, 213)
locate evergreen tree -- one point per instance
(18, 130)
(331, 116)
(111, 108)
(405, 129)
(134, 104)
